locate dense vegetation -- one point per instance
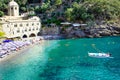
(70, 10)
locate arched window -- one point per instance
(15, 8)
(32, 35)
(12, 11)
(11, 8)
(24, 36)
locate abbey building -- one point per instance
(15, 25)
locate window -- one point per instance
(25, 30)
(15, 25)
(37, 28)
(21, 25)
(32, 24)
(18, 31)
(15, 8)
(27, 24)
(29, 29)
(37, 23)
(11, 8)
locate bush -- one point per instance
(1, 13)
(104, 9)
(24, 9)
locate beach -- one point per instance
(25, 46)
(19, 51)
(15, 53)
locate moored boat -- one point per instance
(100, 55)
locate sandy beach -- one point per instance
(15, 53)
(21, 50)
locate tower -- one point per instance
(13, 8)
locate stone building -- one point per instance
(22, 26)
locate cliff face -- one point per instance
(97, 31)
(50, 31)
(78, 32)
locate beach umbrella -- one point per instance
(5, 41)
(5, 48)
(13, 49)
(65, 23)
(76, 24)
(3, 52)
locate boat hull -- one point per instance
(99, 55)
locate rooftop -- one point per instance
(12, 3)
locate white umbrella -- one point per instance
(65, 23)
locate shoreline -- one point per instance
(15, 53)
(64, 37)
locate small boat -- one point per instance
(100, 55)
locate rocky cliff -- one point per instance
(97, 31)
(80, 32)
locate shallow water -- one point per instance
(65, 60)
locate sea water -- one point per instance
(65, 60)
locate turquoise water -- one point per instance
(65, 60)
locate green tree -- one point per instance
(21, 2)
(75, 5)
(1, 13)
(80, 13)
(103, 9)
(58, 2)
(45, 6)
(24, 9)
(68, 14)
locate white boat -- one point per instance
(100, 55)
